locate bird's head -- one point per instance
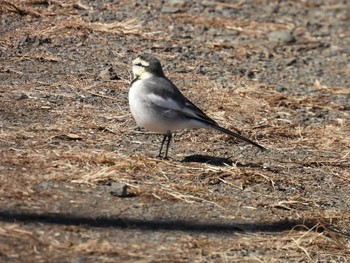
(146, 66)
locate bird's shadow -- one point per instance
(198, 158)
(219, 161)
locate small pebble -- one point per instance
(282, 37)
(108, 74)
(280, 88)
(23, 97)
(291, 61)
(177, 2)
(119, 189)
(170, 10)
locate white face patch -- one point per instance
(138, 68)
(137, 71)
(140, 62)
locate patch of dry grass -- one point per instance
(92, 142)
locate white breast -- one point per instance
(135, 100)
(142, 111)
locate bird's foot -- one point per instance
(161, 157)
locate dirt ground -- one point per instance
(277, 71)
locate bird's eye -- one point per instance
(139, 65)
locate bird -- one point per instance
(159, 106)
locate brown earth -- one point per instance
(277, 71)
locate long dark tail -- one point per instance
(212, 124)
(233, 134)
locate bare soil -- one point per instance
(277, 71)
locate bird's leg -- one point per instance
(161, 146)
(167, 145)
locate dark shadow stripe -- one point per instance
(152, 225)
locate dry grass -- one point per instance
(85, 144)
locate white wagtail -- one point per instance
(159, 106)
